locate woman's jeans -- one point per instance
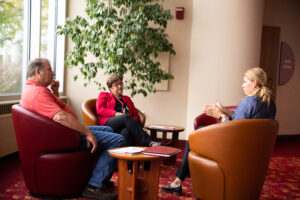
(106, 164)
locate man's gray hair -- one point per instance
(34, 64)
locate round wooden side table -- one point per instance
(173, 142)
(142, 183)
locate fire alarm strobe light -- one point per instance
(179, 12)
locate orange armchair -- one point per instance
(205, 120)
(230, 160)
(51, 163)
(89, 113)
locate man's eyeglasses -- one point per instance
(118, 84)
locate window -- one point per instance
(28, 31)
(11, 47)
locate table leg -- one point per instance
(164, 139)
(173, 143)
(123, 185)
(142, 184)
(133, 179)
(153, 134)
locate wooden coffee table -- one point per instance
(173, 142)
(141, 183)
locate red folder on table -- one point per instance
(161, 151)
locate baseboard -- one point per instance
(288, 138)
(12, 155)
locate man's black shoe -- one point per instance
(107, 184)
(175, 190)
(99, 194)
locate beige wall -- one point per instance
(8, 143)
(214, 45)
(225, 41)
(286, 15)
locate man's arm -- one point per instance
(68, 120)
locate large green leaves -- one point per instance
(125, 37)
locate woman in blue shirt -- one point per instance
(256, 105)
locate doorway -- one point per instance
(269, 55)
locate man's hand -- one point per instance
(68, 120)
(91, 139)
(54, 87)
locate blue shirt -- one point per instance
(251, 107)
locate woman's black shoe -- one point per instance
(175, 190)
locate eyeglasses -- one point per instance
(118, 84)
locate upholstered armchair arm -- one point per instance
(142, 117)
(40, 134)
(208, 175)
(89, 115)
(204, 120)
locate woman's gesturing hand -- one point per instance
(212, 110)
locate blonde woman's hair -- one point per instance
(259, 75)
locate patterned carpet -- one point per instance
(283, 179)
(282, 182)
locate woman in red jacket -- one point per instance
(118, 111)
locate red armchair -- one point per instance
(205, 120)
(51, 163)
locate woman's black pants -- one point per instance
(130, 129)
(184, 170)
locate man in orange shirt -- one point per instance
(38, 98)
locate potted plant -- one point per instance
(125, 37)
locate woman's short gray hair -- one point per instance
(113, 79)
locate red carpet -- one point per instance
(282, 182)
(283, 179)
